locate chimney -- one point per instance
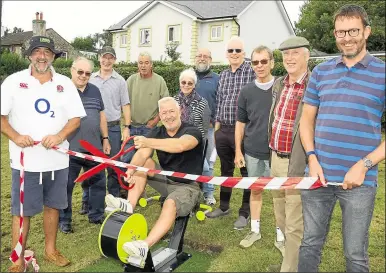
(39, 25)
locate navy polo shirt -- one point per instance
(89, 128)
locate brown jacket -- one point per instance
(297, 161)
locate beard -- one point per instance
(201, 67)
(351, 55)
(45, 69)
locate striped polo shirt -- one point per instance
(348, 124)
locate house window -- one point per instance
(123, 39)
(64, 55)
(216, 32)
(174, 33)
(144, 36)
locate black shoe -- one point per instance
(84, 209)
(65, 228)
(97, 222)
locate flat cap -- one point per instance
(294, 42)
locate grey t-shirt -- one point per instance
(114, 94)
(253, 109)
(89, 128)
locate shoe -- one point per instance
(84, 209)
(66, 228)
(17, 268)
(250, 239)
(217, 213)
(56, 258)
(97, 222)
(118, 203)
(281, 246)
(241, 223)
(274, 268)
(210, 201)
(137, 251)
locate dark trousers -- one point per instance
(96, 190)
(115, 143)
(225, 146)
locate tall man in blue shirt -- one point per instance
(207, 87)
(340, 130)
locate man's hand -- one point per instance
(355, 176)
(315, 169)
(141, 142)
(152, 123)
(106, 146)
(51, 141)
(24, 141)
(130, 177)
(239, 160)
(125, 133)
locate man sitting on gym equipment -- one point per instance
(179, 148)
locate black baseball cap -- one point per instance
(42, 41)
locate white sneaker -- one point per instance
(210, 201)
(137, 251)
(118, 203)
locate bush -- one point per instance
(62, 63)
(11, 63)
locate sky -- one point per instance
(80, 18)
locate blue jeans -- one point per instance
(96, 190)
(207, 188)
(134, 131)
(257, 167)
(357, 207)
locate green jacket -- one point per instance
(298, 159)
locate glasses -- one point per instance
(354, 32)
(232, 50)
(263, 62)
(187, 83)
(81, 72)
(203, 57)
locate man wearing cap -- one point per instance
(287, 154)
(115, 97)
(37, 104)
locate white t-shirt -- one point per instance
(38, 110)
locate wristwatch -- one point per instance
(127, 126)
(368, 163)
(310, 153)
(106, 137)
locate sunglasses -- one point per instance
(188, 83)
(81, 72)
(232, 50)
(263, 61)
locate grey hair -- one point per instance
(81, 58)
(165, 100)
(263, 48)
(189, 73)
(146, 54)
(235, 38)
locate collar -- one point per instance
(51, 68)
(114, 74)
(364, 61)
(240, 67)
(206, 74)
(300, 80)
(85, 89)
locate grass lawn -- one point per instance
(213, 242)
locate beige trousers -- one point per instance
(289, 216)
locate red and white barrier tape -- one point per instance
(267, 183)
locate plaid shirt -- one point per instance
(285, 114)
(229, 87)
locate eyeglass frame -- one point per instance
(261, 61)
(205, 57)
(234, 50)
(184, 83)
(347, 31)
(80, 72)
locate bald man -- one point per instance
(206, 86)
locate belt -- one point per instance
(227, 126)
(113, 123)
(282, 155)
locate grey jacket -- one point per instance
(298, 159)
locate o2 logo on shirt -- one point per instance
(43, 106)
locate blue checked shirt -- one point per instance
(228, 92)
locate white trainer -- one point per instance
(137, 251)
(118, 203)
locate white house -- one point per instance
(195, 24)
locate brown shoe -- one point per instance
(16, 268)
(56, 258)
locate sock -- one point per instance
(255, 226)
(279, 235)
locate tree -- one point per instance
(316, 23)
(103, 39)
(17, 30)
(171, 51)
(84, 43)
